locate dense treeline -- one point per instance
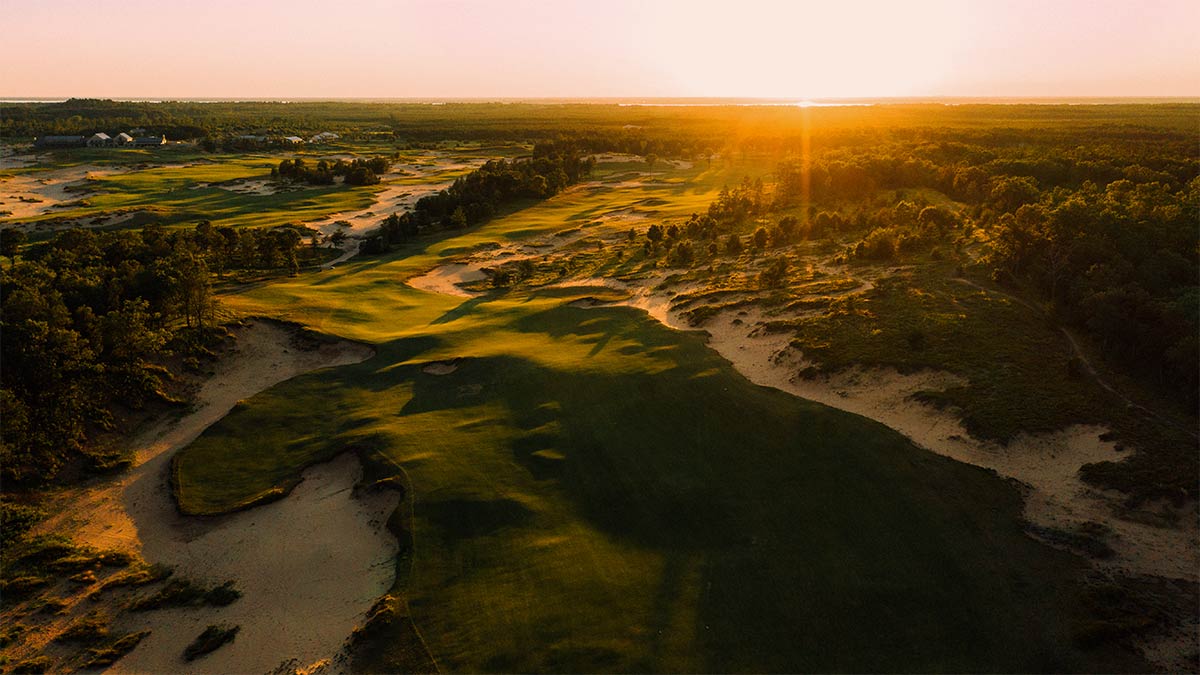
(1108, 234)
(667, 131)
(475, 197)
(355, 172)
(88, 319)
(1118, 261)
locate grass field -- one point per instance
(184, 186)
(594, 492)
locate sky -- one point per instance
(789, 49)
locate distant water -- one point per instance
(680, 102)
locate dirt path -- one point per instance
(309, 566)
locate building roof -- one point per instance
(101, 135)
(124, 137)
(293, 139)
(62, 139)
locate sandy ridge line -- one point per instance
(1046, 464)
(309, 565)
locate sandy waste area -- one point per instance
(309, 566)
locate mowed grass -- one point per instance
(594, 492)
(366, 299)
(188, 192)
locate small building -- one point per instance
(324, 137)
(60, 141)
(294, 140)
(99, 140)
(123, 139)
(146, 141)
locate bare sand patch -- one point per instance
(627, 215)
(13, 161)
(309, 565)
(252, 186)
(32, 195)
(440, 368)
(97, 220)
(617, 158)
(446, 279)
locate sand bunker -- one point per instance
(310, 565)
(262, 187)
(38, 194)
(627, 215)
(440, 368)
(446, 279)
(618, 158)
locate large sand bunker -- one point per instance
(309, 565)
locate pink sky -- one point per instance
(573, 48)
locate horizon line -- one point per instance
(768, 100)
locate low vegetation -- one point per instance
(187, 593)
(213, 638)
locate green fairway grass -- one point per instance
(596, 492)
(188, 192)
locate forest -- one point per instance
(1106, 236)
(355, 172)
(94, 325)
